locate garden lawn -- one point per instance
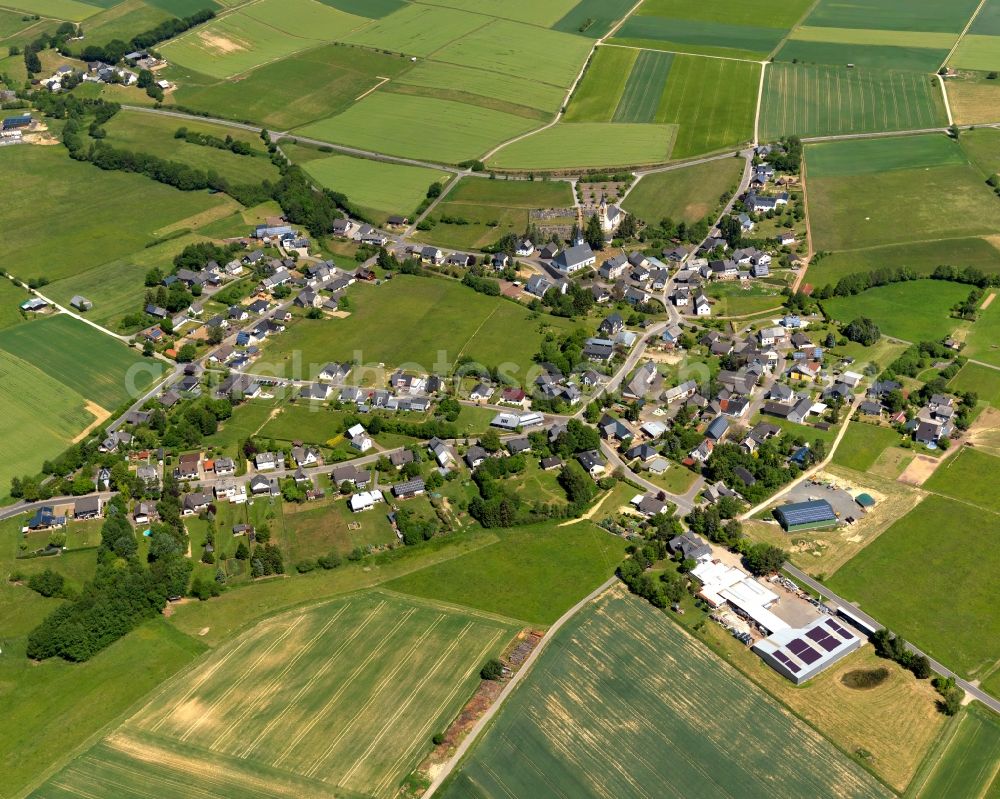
(326, 79)
(921, 257)
(532, 573)
(379, 187)
(419, 320)
(818, 100)
(863, 444)
(102, 215)
(83, 359)
(684, 195)
(918, 310)
(421, 127)
(619, 678)
(589, 144)
(911, 571)
(968, 476)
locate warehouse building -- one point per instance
(805, 515)
(800, 653)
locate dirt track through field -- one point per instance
(100, 417)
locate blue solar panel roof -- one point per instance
(817, 510)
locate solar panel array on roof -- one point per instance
(823, 638)
(817, 510)
(837, 628)
(792, 667)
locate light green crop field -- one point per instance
(413, 319)
(684, 195)
(510, 577)
(83, 359)
(912, 567)
(422, 127)
(383, 188)
(982, 145)
(734, 12)
(531, 11)
(258, 34)
(326, 79)
(969, 477)
(493, 208)
(816, 100)
(853, 202)
(640, 99)
(374, 9)
(524, 51)
(340, 699)
(12, 22)
(39, 417)
(589, 144)
(967, 768)
(880, 37)
(484, 83)
(918, 310)
(983, 340)
(909, 15)
(122, 213)
(123, 21)
(57, 9)
(154, 134)
(418, 30)
(601, 689)
(712, 101)
(874, 156)
(871, 56)
(597, 95)
(922, 257)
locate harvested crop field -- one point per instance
(612, 708)
(338, 700)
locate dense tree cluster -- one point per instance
(763, 559)
(237, 146)
(863, 331)
(768, 465)
(892, 647)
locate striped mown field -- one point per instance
(817, 100)
(337, 700)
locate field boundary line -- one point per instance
(798, 24)
(377, 690)
(363, 95)
(464, 610)
(944, 96)
(525, 669)
(961, 35)
(760, 100)
(680, 52)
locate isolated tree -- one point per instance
(491, 670)
(593, 234)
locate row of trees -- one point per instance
(237, 146)
(858, 282)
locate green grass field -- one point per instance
(854, 200)
(600, 90)
(614, 692)
(818, 100)
(483, 86)
(593, 18)
(982, 380)
(11, 296)
(690, 33)
(734, 299)
(967, 768)
(257, 34)
(123, 20)
(869, 56)
(911, 569)
(414, 320)
(687, 194)
(327, 80)
(153, 134)
(102, 216)
(911, 15)
(422, 127)
(968, 476)
(922, 257)
(863, 444)
(542, 14)
(418, 30)
(374, 9)
(523, 51)
(983, 340)
(309, 532)
(918, 310)
(982, 146)
(493, 208)
(58, 9)
(514, 577)
(381, 188)
(589, 144)
(81, 358)
(340, 699)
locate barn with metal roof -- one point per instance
(805, 515)
(800, 653)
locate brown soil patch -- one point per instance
(985, 431)
(204, 630)
(221, 44)
(100, 417)
(988, 301)
(338, 314)
(919, 470)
